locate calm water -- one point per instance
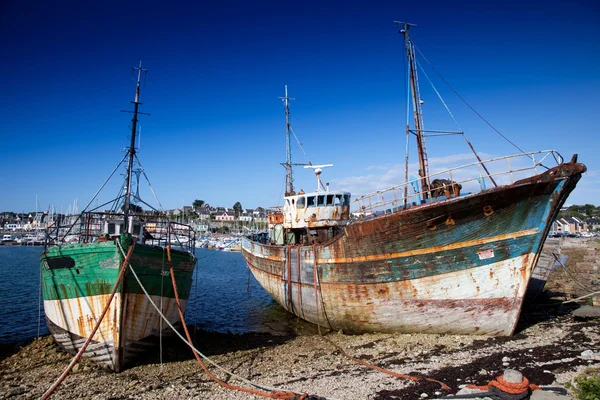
(221, 299)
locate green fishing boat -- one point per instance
(102, 270)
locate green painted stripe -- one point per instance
(97, 268)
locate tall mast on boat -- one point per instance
(418, 114)
(289, 179)
(131, 150)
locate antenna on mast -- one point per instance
(289, 179)
(317, 169)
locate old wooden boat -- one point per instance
(423, 256)
(82, 261)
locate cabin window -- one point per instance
(301, 203)
(310, 201)
(60, 262)
(329, 199)
(111, 229)
(293, 202)
(320, 200)
(338, 200)
(346, 200)
(121, 228)
(136, 229)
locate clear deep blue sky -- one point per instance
(216, 69)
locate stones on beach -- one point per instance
(587, 354)
(15, 391)
(512, 376)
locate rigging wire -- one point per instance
(97, 192)
(149, 184)
(300, 145)
(467, 104)
(303, 152)
(439, 96)
(456, 122)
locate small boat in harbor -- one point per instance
(423, 256)
(126, 252)
(8, 240)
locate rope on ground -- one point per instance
(581, 285)
(62, 377)
(272, 395)
(195, 350)
(582, 297)
(362, 362)
(508, 390)
(387, 371)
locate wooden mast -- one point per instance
(417, 114)
(131, 150)
(289, 179)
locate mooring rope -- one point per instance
(314, 246)
(386, 371)
(198, 352)
(75, 359)
(160, 325)
(362, 362)
(40, 303)
(273, 395)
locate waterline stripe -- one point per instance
(430, 250)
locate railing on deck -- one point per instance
(90, 228)
(502, 170)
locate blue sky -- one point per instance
(216, 130)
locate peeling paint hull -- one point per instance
(457, 266)
(77, 280)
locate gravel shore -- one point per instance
(550, 347)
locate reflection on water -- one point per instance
(224, 298)
(20, 293)
(229, 299)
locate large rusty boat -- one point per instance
(447, 252)
(103, 272)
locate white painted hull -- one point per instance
(124, 332)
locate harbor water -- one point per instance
(224, 298)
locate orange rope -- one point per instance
(507, 387)
(289, 278)
(314, 246)
(299, 285)
(386, 371)
(272, 395)
(89, 339)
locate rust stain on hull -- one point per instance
(459, 265)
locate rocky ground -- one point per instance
(550, 347)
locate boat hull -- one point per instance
(77, 280)
(460, 265)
